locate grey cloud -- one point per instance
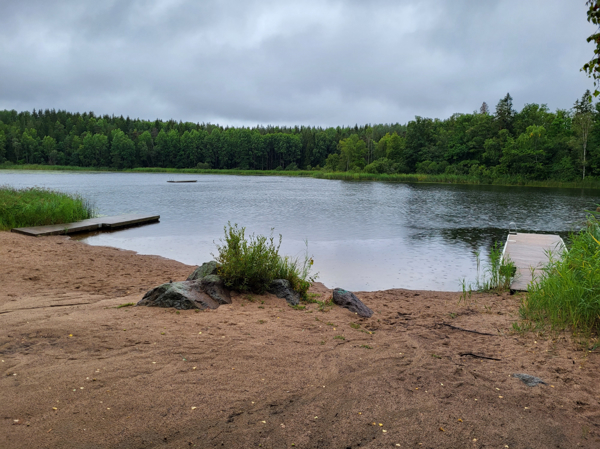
(314, 62)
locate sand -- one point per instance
(79, 372)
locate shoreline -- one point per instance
(79, 372)
(340, 176)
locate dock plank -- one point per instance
(530, 253)
(92, 224)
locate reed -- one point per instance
(567, 294)
(496, 276)
(39, 207)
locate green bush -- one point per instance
(249, 264)
(567, 295)
(39, 207)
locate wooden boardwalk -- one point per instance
(529, 252)
(93, 224)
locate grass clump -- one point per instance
(567, 294)
(39, 207)
(250, 264)
(298, 307)
(127, 304)
(497, 275)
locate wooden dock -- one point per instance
(93, 224)
(529, 252)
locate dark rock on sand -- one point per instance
(529, 380)
(214, 287)
(206, 269)
(282, 289)
(180, 295)
(348, 300)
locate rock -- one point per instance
(206, 269)
(344, 298)
(282, 289)
(214, 287)
(529, 380)
(180, 295)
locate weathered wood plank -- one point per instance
(530, 252)
(93, 224)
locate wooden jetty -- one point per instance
(190, 180)
(530, 252)
(93, 224)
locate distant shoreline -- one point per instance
(342, 176)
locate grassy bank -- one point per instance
(568, 294)
(590, 183)
(38, 207)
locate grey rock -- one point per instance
(180, 295)
(214, 287)
(530, 381)
(348, 300)
(282, 289)
(206, 269)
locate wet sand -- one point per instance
(79, 372)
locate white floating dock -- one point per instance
(93, 224)
(530, 252)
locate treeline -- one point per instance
(533, 143)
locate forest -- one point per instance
(532, 144)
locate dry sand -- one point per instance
(78, 372)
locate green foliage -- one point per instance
(38, 207)
(506, 147)
(249, 264)
(497, 275)
(325, 306)
(592, 68)
(382, 166)
(352, 153)
(567, 295)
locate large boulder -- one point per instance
(206, 269)
(214, 287)
(180, 295)
(282, 289)
(348, 300)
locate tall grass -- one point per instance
(38, 207)
(497, 275)
(567, 294)
(249, 264)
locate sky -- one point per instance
(312, 63)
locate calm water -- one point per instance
(363, 236)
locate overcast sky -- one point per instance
(328, 63)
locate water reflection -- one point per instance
(363, 235)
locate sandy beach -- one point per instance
(424, 372)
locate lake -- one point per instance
(363, 235)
